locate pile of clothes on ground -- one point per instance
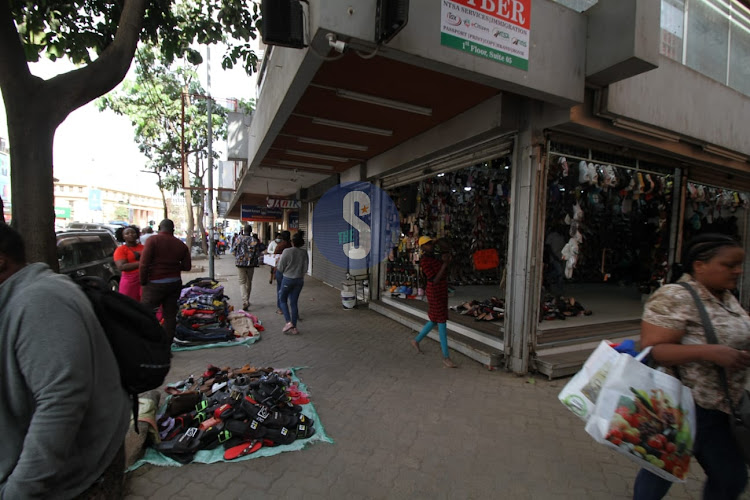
(203, 314)
(241, 410)
(492, 309)
(561, 308)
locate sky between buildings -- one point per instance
(98, 149)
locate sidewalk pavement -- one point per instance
(404, 427)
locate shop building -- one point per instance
(578, 144)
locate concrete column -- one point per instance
(528, 189)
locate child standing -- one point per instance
(435, 270)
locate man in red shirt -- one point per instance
(163, 259)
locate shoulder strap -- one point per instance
(708, 329)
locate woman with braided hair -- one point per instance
(672, 324)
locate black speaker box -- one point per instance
(390, 17)
(283, 23)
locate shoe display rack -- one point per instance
(468, 208)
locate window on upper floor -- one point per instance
(709, 36)
(578, 5)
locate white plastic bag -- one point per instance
(581, 392)
(647, 415)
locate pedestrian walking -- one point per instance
(164, 258)
(293, 267)
(436, 271)
(270, 251)
(127, 259)
(672, 325)
(285, 243)
(247, 252)
(64, 413)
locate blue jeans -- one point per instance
(716, 451)
(279, 279)
(290, 290)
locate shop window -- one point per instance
(607, 230)
(713, 210)
(708, 38)
(469, 209)
(739, 55)
(672, 27)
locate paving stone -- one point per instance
(403, 426)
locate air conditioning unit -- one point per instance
(283, 23)
(390, 17)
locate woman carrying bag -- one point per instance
(672, 325)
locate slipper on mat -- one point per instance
(243, 449)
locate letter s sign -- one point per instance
(357, 203)
(354, 226)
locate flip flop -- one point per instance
(243, 449)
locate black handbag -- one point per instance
(739, 420)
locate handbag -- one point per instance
(646, 415)
(739, 419)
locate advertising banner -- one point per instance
(257, 213)
(95, 199)
(293, 220)
(62, 212)
(281, 203)
(494, 29)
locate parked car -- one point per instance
(88, 253)
(87, 226)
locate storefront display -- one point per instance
(608, 223)
(468, 209)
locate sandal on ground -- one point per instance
(279, 312)
(415, 345)
(292, 331)
(287, 327)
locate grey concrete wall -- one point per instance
(238, 125)
(556, 55)
(677, 98)
(484, 118)
(623, 39)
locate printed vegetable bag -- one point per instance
(581, 392)
(647, 415)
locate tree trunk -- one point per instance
(163, 196)
(36, 107)
(201, 206)
(31, 135)
(190, 217)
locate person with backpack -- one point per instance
(65, 413)
(163, 259)
(247, 251)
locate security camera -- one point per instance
(337, 45)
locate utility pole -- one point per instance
(211, 249)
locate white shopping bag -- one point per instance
(581, 392)
(647, 415)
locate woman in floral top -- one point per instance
(672, 325)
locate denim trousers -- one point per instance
(290, 290)
(716, 451)
(279, 280)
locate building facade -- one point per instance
(84, 203)
(577, 143)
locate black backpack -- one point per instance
(138, 341)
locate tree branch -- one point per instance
(14, 70)
(80, 86)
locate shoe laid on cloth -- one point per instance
(287, 327)
(243, 449)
